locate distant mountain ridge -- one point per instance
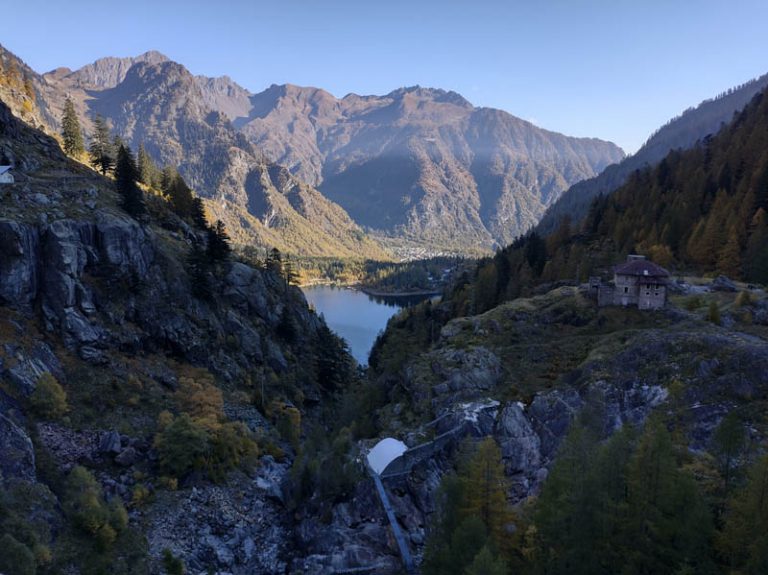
(419, 165)
(422, 163)
(681, 132)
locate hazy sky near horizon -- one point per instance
(612, 69)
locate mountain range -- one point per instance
(359, 176)
(418, 166)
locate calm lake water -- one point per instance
(356, 316)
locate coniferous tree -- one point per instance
(218, 242)
(669, 526)
(126, 180)
(180, 195)
(198, 268)
(71, 132)
(728, 444)
(198, 214)
(485, 563)
(745, 537)
(100, 150)
(274, 261)
(290, 275)
(149, 174)
(485, 488)
(472, 517)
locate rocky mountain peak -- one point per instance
(110, 71)
(437, 95)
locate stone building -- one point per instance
(636, 282)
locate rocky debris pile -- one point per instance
(238, 528)
(724, 284)
(357, 536)
(67, 446)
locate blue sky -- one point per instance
(613, 69)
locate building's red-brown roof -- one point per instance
(642, 268)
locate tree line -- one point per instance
(636, 503)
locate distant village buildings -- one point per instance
(6, 177)
(637, 282)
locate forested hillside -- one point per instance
(680, 133)
(701, 210)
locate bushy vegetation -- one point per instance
(25, 542)
(199, 438)
(49, 400)
(85, 505)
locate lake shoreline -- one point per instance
(379, 293)
(371, 291)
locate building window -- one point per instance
(626, 290)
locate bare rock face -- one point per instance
(421, 162)
(17, 268)
(17, 455)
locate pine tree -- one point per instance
(218, 242)
(756, 256)
(745, 537)
(274, 261)
(669, 524)
(180, 195)
(728, 444)
(565, 517)
(486, 491)
(485, 563)
(290, 275)
(149, 175)
(729, 257)
(198, 269)
(126, 178)
(100, 150)
(198, 214)
(71, 132)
